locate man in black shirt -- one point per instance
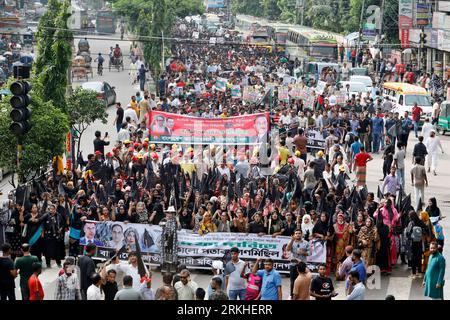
(420, 151)
(321, 286)
(364, 131)
(7, 274)
(99, 143)
(110, 287)
(119, 116)
(87, 268)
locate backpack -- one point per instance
(416, 234)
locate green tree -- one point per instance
(46, 138)
(184, 8)
(84, 109)
(251, 7)
(45, 36)
(271, 9)
(53, 78)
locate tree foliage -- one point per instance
(54, 55)
(340, 16)
(45, 139)
(84, 109)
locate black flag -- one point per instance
(142, 270)
(379, 194)
(419, 206)
(406, 203)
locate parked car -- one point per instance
(104, 90)
(364, 79)
(355, 88)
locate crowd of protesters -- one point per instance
(301, 192)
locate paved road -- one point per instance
(399, 284)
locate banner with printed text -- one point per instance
(283, 93)
(174, 128)
(250, 94)
(194, 251)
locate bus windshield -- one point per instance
(420, 99)
(329, 52)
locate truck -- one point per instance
(106, 22)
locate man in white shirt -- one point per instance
(359, 290)
(285, 119)
(426, 128)
(302, 120)
(224, 170)
(129, 112)
(124, 134)
(94, 291)
(234, 283)
(131, 269)
(327, 175)
(432, 143)
(186, 287)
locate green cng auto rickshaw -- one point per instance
(444, 117)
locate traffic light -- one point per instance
(423, 38)
(20, 113)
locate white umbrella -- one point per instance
(407, 51)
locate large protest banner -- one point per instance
(194, 251)
(180, 129)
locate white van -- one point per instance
(404, 95)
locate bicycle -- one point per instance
(100, 70)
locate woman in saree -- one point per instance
(342, 238)
(391, 219)
(428, 237)
(357, 225)
(367, 241)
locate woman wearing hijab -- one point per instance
(383, 248)
(321, 231)
(207, 225)
(342, 238)
(390, 218)
(432, 209)
(186, 219)
(307, 227)
(416, 247)
(367, 240)
(428, 237)
(275, 225)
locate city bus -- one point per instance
(278, 33)
(309, 44)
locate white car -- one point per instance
(104, 90)
(354, 88)
(364, 79)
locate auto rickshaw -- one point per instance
(79, 70)
(83, 46)
(444, 118)
(28, 39)
(88, 59)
